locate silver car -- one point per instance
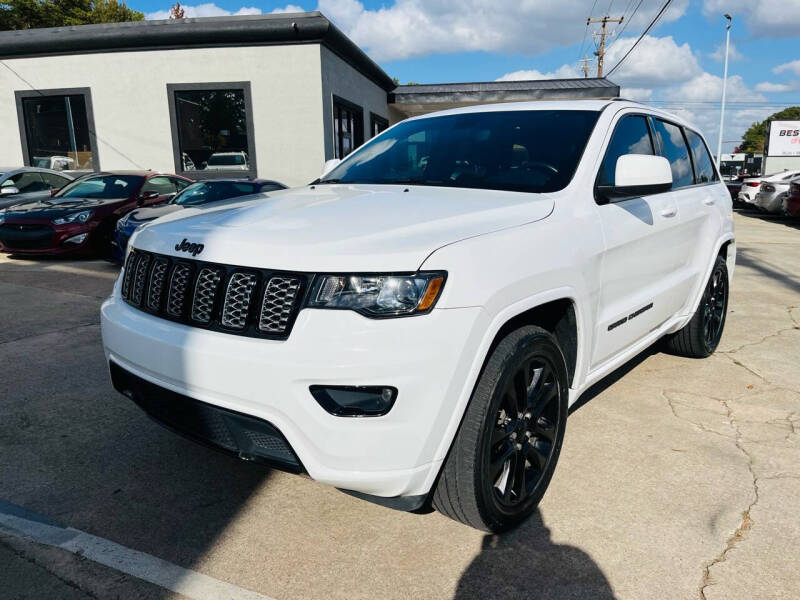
(22, 184)
(772, 191)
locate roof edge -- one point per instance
(201, 32)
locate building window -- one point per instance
(212, 129)
(348, 127)
(377, 124)
(57, 129)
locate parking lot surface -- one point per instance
(678, 478)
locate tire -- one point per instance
(700, 337)
(509, 441)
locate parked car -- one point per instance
(22, 184)
(414, 325)
(80, 217)
(197, 194)
(228, 161)
(792, 200)
(751, 186)
(56, 163)
(772, 192)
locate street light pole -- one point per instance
(724, 86)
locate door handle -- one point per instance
(708, 200)
(669, 212)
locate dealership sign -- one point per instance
(784, 138)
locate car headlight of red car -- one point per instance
(76, 217)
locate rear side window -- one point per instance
(673, 147)
(29, 182)
(631, 136)
(162, 185)
(703, 165)
(55, 181)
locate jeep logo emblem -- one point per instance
(191, 248)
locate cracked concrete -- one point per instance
(679, 479)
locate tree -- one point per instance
(32, 14)
(755, 137)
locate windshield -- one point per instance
(223, 160)
(211, 191)
(525, 151)
(101, 186)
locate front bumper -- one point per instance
(427, 358)
(32, 237)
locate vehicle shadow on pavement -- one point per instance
(526, 564)
(744, 258)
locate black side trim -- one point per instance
(244, 436)
(403, 503)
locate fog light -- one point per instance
(355, 401)
(76, 239)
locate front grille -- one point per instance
(26, 236)
(238, 300)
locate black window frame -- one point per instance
(717, 177)
(375, 119)
(688, 150)
(599, 199)
(20, 95)
(359, 119)
(202, 174)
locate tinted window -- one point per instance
(673, 148)
(103, 186)
(57, 131)
(631, 136)
(270, 187)
(377, 124)
(162, 185)
(526, 151)
(213, 191)
(55, 181)
(348, 128)
(212, 129)
(703, 165)
(27, 183)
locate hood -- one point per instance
(141, 215)
(52, 208)
(342, 227)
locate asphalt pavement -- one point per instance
(678, 478)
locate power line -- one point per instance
(644, 33)
(625, 24)
(586, 30)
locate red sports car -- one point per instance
(792, 202)
(81, 216)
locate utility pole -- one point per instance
(584, 65)
(724, 86)
(601, 48)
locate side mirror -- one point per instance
(8, 190)
(330, 165)
(145, 196)
(637, 175)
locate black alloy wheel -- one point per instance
(525, 434)
(715, 302)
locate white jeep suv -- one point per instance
(414, 326)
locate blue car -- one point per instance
(202, 192)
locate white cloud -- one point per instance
(409, 28)
(708, 88)
(208, 9)
(789, 67)
(719, 53)
(563, 72)
(289, 8)
(764, 18)
(767, 86)
(656, 61)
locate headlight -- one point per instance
(78, 217)
(378, 295)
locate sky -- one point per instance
(677, 66)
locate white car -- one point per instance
(773, 191)
(751, 186)
(414, 326)
(228, 161)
